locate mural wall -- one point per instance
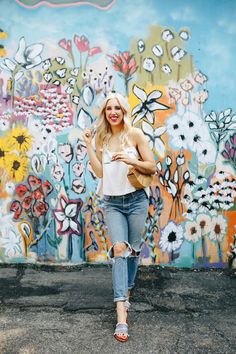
(58, 60)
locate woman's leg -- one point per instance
(120, 279)
(118, 231)
(133, 261)
(136, 222)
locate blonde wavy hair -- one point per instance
(103, 129)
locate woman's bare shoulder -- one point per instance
(136, 134)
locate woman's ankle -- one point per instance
(121, 312)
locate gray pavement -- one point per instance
(63, 310)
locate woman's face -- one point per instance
(113, 112)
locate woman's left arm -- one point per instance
(147, 163)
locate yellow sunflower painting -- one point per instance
(20, 139)
(17, 167)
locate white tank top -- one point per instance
(115, 181)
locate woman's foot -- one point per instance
(121, 332)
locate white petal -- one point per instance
(33, 51)
(34, 62)
(69, 90)
(18, 75)
(136, 109)
(232, 126)
(65, 225)
(213, 115)
(157, 50)
(227, 112)
(227, 119)
(70, 210)
(9, 64)
(233, 118)
(3, 66)
(63, 203)
(52, 144)
(140, 93)
(35, 164)
(208, 118)
(167, 175)
(154, 95)
(184, 35)
(84, 119)
(60, 216)
(19, 57)
(159, 131)
(88, 95)
(147, 128)
(154, 106)
(139, 116)
(151, 144)
(176, 176)
(43, 161)
(160, 147)
(74, 226)
(213, 125)
(173, 188)
(150, 117)
(25, 228)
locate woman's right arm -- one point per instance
(94, 157)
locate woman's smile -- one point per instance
(114, 117)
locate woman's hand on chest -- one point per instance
(123, 157)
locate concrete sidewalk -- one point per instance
(50, 309)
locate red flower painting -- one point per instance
(31, 198)
(125, 64)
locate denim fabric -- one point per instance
(125, 217)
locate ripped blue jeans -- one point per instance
(125, 217)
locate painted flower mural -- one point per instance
(125, 64)
(68, 216)
(26, 58)
(52, 88)
(229, 153)
(171, 240)
(30, 198)
(148, 105)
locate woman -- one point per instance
(120, 146)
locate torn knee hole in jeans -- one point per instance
(126, 252)
(134, 253)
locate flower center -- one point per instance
(20, 139)
(202, 224)
(217, 229)
(15, 165)
(172, 236)
(193, 230)
(196, 138)
(2, 153)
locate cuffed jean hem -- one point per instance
(120, 299)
